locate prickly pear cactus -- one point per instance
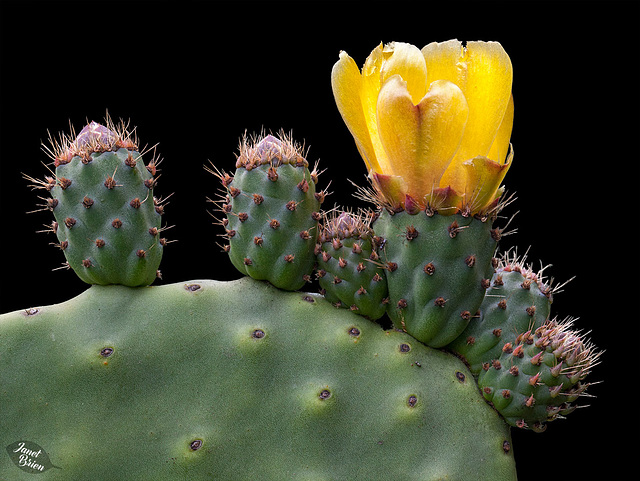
(246, 380)
(156, 384)
(438, 269)
(271, 210)
(539, 376)
(349, 270)
(107, 220)
(518, 300)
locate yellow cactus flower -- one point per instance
(433, 125)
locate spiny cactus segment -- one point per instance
(107, 219)
(271, 211)
(349, 269)
(517, 299)
(540, 375)
(438, 268)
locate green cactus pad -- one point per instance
(211, 380)
(349, 272)
(107, 219)
(438, 269)
(271, 210)
(107, 222)
(518, 300)
(539, 375)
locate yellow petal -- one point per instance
(484, 177)
(371, 83)
(408, 62)
(484, 73)
(420, 140)
(347, 85)
(442, 60)
(500, 147)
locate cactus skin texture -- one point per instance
(237, 380)
(272, 213)
(438, 269)
(349, 272)
(517, 300)
(539, 376)
(107, 220)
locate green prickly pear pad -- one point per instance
(156, 383)
(107, 220)
(349, 271)
(437, 269)
(518, 299)
(271, 210)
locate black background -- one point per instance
(194, 76)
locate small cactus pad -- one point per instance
(271, 210)
(107, 220)
(518, 300)
(539, 375)
(349, 271)
(438, 270)
(237, 381)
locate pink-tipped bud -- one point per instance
(555, 390)
(95, 134)
(343, 226)
(537, 359)
(556, 370)
(346, 223)
(269, 148)
(272, 151)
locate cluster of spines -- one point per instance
(94, 138)
(273, 151)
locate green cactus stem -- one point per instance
(518, 299)
(538, 377)
(107, 220)
(349, 270)
(210, 380)
(271, 210)
(438, 269)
